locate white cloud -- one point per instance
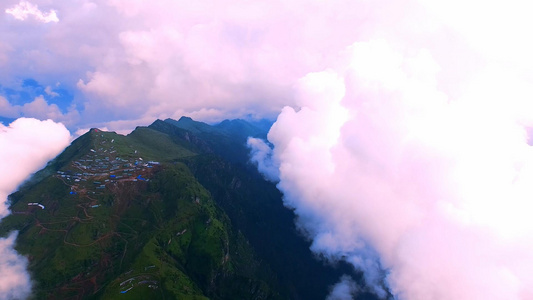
(25, 147)
(25, 9)
(137, 60)
(6, 109)
(378, 160)
(48, 90)
(16, 282)
(261, 156)
(39, 109)
(345, 289)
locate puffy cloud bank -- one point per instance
(126, 63)
(16, 282)
(25, 147)
(38, 108)
(415, 165)
(25, 9)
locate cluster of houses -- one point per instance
(102, 166)
(103, 170)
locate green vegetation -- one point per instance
(171, 211)
(157, 231)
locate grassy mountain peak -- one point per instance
(170, 211)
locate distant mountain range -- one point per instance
(170, 211)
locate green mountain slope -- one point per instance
(170, 211)
(255, 206)
(227, 139)
(112, 223)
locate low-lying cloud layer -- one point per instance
(405, 158)
(388, 172)
(26, 145)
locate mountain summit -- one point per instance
(170, 211)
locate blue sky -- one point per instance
(29, 89)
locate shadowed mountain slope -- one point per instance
(170, 211)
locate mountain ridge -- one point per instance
(184, 204)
